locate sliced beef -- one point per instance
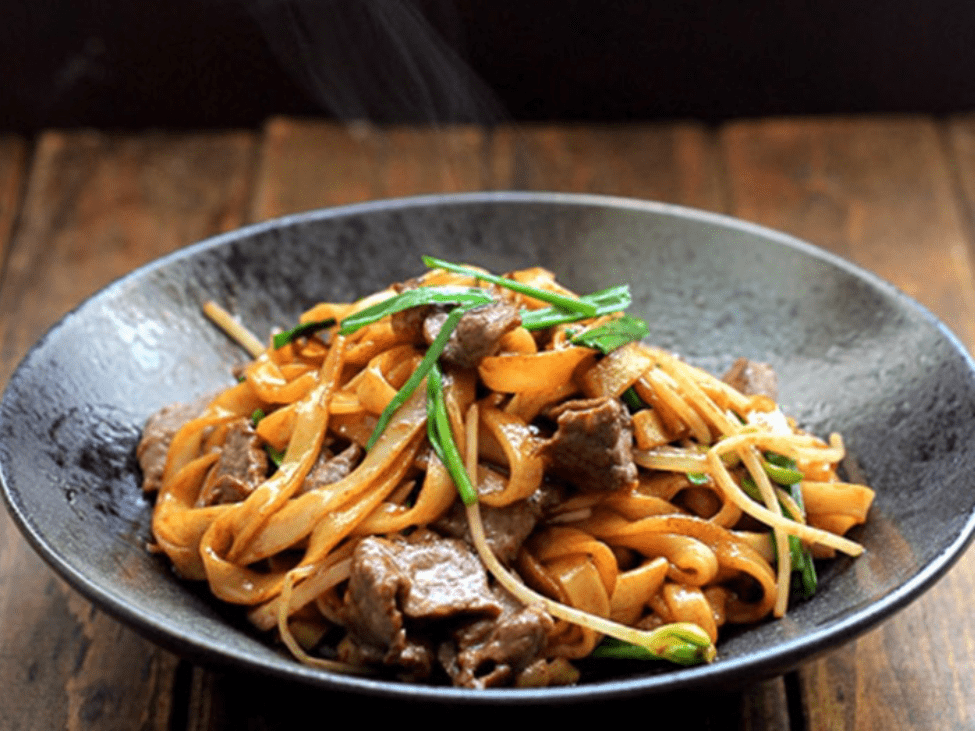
(329, 468)
(493, 652)
(158, 434)
(400, 586)
(505, 528)
(242, 466)
(477, 333)
(753, 378)
(593, 445)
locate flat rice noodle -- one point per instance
(616, 372)
(525, 467)
(556, 542)
(387, 462)
(634, 588)
(517, 373)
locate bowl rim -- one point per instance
(753, 666)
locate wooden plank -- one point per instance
(96, 206)
(13, 162)
(959, 136)
(879, 192)
(875, 191)
(673, 163)
(311, 164)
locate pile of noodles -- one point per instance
(685, 544)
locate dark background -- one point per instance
(205, 63)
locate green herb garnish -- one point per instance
(432, 354)
(613, 334)
(577, 305)
(441, 438)
(299, 331)
(632, 399)
(781, 469)
(605, 302)
(802, 560)
(676, 649)
(414, 298)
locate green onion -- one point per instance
(697, 478)
(305, 328)
(442, 439)
(632, 399)
(257, 416)
(605, 302)
(414, 298)
(275, 455)
(613, 334)
(432, 354)
(675, 648)
(564, 302)
(802, 560)
(781, 469)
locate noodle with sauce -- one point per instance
(480, 480)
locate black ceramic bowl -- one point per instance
(853, 354)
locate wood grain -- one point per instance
(875, 191)
(879, 192)
(13, 168)
(96, 206)
(674, 163)
(312, 164)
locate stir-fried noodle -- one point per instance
(619, 501)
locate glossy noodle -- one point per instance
(621, 502)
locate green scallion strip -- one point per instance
(802, 560)
(674, 649)
(414, 298)
(442, 439)
(781, 469)
(606, 302)
(613, 334)
(275, 455)
(305, 328)
(257, 416)
(432, 354)
(571, 304)
(632, 399)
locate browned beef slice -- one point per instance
(330, 468)
(241, 468)
(593, 445)
(505, 528)
(477, 334)
(158, 434)
(752, 378)
(493, 652)
(399, 586)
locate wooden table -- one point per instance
(80, 208)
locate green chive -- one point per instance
(605, 302)
(414, 298)
(571, 304)
(275, 455)
(442, 440)
(632, 399)
(673, 647)
(802, 561)
(305, 328)
(781, 469)
(432, 354)
(613, 334)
